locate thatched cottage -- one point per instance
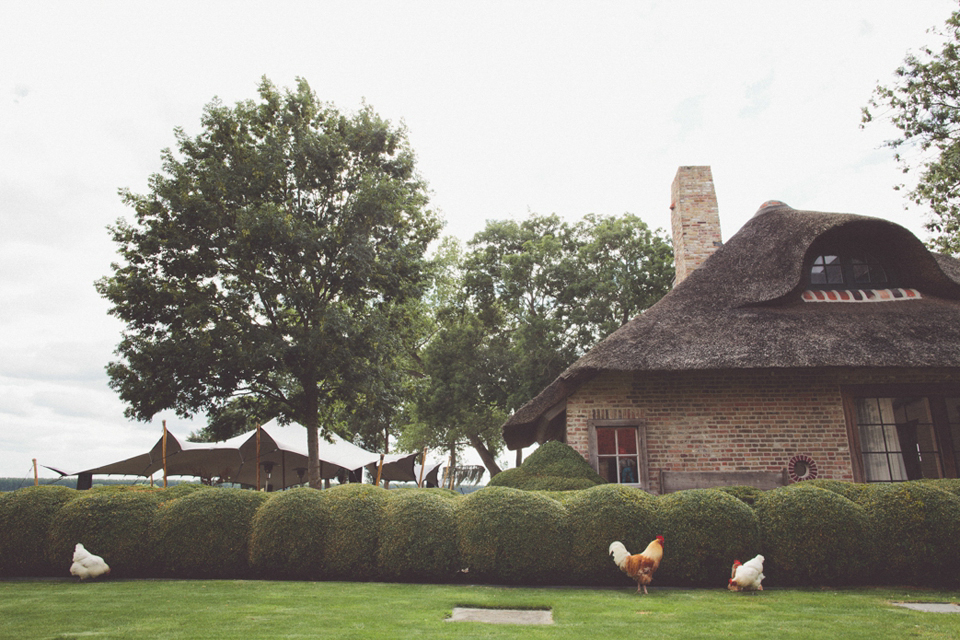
(809, 345)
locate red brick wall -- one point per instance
(731, 420)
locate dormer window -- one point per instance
(850, 271)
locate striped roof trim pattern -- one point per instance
(861, 295)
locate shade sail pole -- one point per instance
(423, 466)
(36, 476)
(164, 454)
(258, 457)
(379, 469)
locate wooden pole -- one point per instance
(258, 457)
(451, 467)
(164, 454)
(379, 469)
(423, 464)
(36, 476)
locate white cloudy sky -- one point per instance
(553, 107)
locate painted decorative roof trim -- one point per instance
(860, 295)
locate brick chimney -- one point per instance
(695, 219)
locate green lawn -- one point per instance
(266, 609)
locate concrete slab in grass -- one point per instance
(931, 607)
(502, 616)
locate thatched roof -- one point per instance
(742, 309)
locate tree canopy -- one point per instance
(924, 104)
(274, 259)
(518, 305)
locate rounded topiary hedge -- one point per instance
(513, 537)
(289, 533)
(705, 530)
(951, 485)
(598, 516)
(114, 525)
(205, 534)
(419, 542)
(746, 494)
(522, 479)
(25, 519)
(182, 490)
(554, 466)
(812, 536)
(356, 513)
(917, 534)
(850, 490)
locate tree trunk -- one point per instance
(313, 452)
(311, 420)
(485, 456)
(451, 468)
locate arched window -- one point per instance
(839, 270)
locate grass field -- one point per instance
(264, 609)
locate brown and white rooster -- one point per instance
(640, 566)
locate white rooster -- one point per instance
(86, 565)
(747, 576)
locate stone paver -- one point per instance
(931, 607)
(502, 616)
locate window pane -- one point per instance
(953, 416)
(868, 271)
(953, 411)
(606, 442)
(608, 469)
(626, 441)
(897, 439)
(818, 275)
(876, 467)
(628, 471)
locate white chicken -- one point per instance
(747, 576)
(86, 565)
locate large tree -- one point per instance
(520, 305)
(924, 104)
(458, 398)
(273, 258)
(558, 288)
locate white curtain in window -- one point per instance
(879, 443)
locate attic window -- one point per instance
(839, 271)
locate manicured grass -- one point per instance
(260, 609)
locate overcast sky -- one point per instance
(512, 107)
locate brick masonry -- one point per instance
(694, 218)
(752, 420)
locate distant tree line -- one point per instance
(12, 484)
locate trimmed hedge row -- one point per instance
(705, 531)
(512, 536)
(213, 526)
(811, 536)
(26, 515)
(810, 533)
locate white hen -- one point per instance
(86, 565)
(747, 576)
